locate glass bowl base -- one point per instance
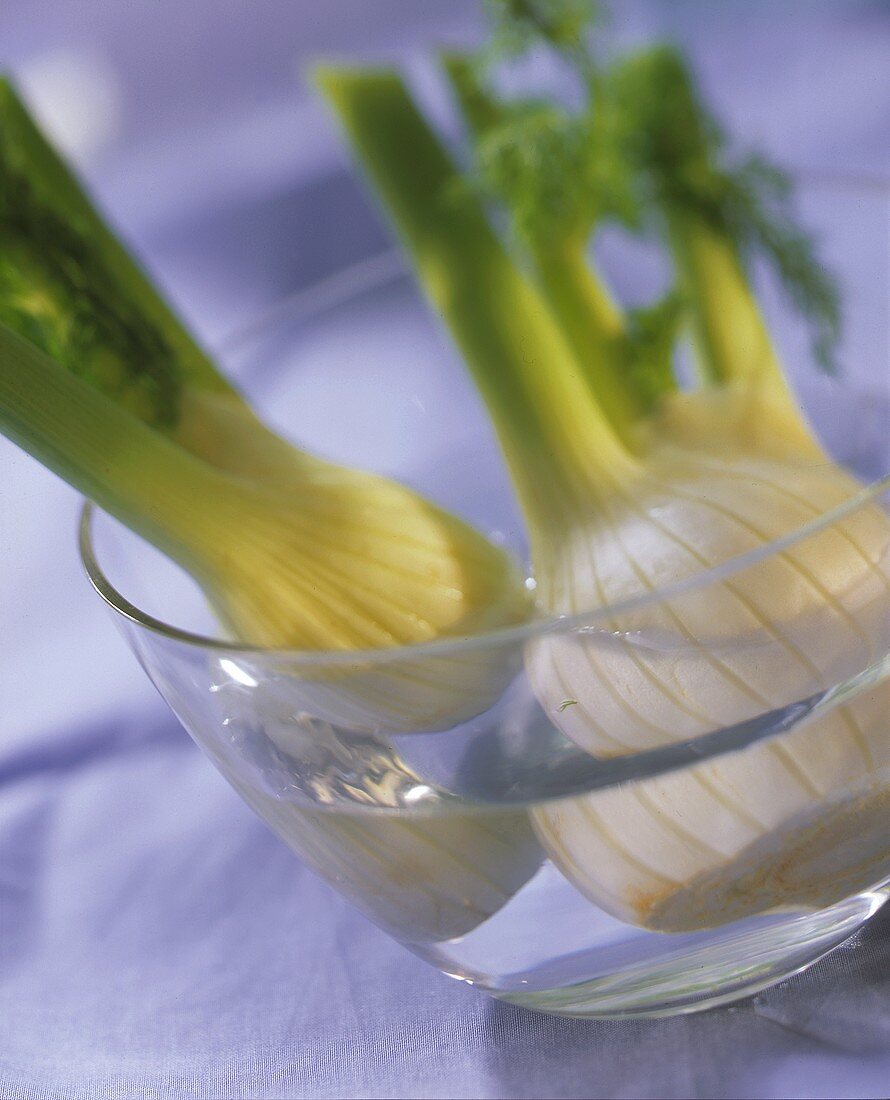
(709, 976)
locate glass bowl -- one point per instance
(462, 808)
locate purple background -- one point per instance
(155, 939)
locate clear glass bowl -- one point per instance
(459, 807)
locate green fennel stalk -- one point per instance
(559, 174)
(553, 435)
(529, 151)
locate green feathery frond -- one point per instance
(519, 25)
(651, 334)
(681, 151)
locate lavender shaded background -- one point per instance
(155, 940)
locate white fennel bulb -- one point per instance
(797, 820)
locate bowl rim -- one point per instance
(535, 627)
(376, 272)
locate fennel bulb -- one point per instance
(292, 551)
(616, 508)
(101, 382)
(801, 820)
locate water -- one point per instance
(442, 839)
(476, 894)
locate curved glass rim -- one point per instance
(376, 272)
(512, 635)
